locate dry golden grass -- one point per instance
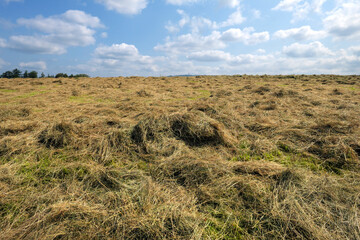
(205, 157)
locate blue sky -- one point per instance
(171, 37)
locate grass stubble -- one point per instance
(203, 157)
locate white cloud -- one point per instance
(181, 2)
(317, 5)
(344, 21)
(299, 8)
(121, 59)
(235, 18)
(230, 3)
(197, 24)
(116, 51)
(256, 13)
(246, 36)
(221, 62)
(209, 56)
(73, 28)
(252, 59)
(35, 44)
(124, 6)
(40, 65)
(81, 18)
(355, 50)
(287, 5)
(120, 53)
(192, 42)
(311, 50)
(299, 34)
(104, 34)
(224, 3)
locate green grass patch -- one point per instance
(354, 89)
(202, 94)
(223, 224)
(285, 156)
(31, 94)
(8, 90)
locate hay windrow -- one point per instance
(57, 135)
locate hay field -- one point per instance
(203, 157)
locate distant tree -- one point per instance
(42, 75)
(16, 73)
(81, 75)
(61, 75)
(33, 74)
(26, 74)
(71, 76)
(7, 74)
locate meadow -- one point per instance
(197, 157)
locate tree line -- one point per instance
(16, 73)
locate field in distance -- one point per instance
(192, 157)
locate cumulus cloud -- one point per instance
(117, 53)
(317, 5)
(311, 50)
(181, 2)
(344, 21)
(124, 6)
(35, 44)
(122, 59)
(235, 18)
(287, 5)
(299, 8)
(222, 62)
(197, 24)
(73, 28)
(246, 36)
(299, 34)
(194, 42)
(230, 3)
(224, 3)
(209, 56)
(40, 65)
(355, 50)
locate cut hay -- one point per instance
(57, 135)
